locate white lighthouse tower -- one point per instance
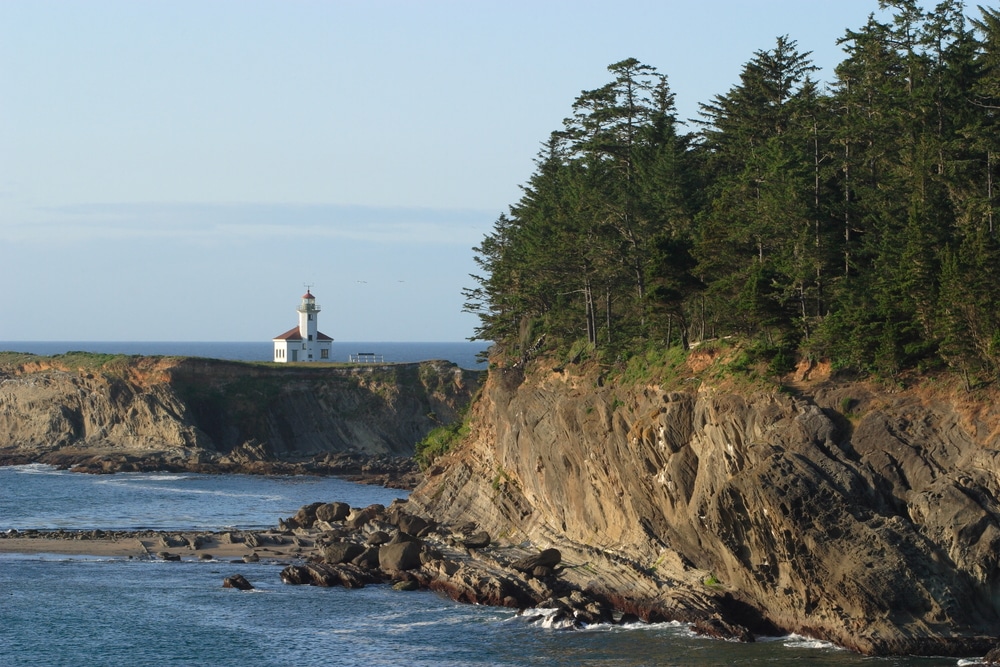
(304, 342)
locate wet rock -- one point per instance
(408, 585)
(296, 575)
(237, 581)
(721, 629)
(326, 575)
(251, 558)
(166, 555)
(399, 556)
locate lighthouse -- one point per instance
(304, 342)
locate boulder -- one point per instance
(237, 581)
(165, 555)
(378, 537)
(401, 536)
(367, 560)
(306, 516)
(412, 524)
(477, 540)
(399, 556)
(549, 558)
(333, 512)
(341, 552)
(359, 518)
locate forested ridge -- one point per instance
(854, 220)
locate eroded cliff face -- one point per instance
(859, 516)
(182, 409)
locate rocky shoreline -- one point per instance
(332, 544)
(394, 472)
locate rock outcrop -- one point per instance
(866, 517)
(142, 413)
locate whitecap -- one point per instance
(801, 641)
(37, 469)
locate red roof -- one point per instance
(293, 334)
(308, 295)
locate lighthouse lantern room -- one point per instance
(304, 342)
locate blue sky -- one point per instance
(180, 170)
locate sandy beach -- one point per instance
(149, 544)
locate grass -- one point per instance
(439, 441)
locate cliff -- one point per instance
(840, 510)
(172, 412)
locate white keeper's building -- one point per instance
(304, 342)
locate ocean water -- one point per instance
(71, 611)
(463, 353)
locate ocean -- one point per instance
(70, 611)
(59, 610)
(463, 353)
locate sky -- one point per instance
(183, 170)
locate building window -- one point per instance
(324, 354)
(310, 336)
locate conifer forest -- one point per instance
(854, 220)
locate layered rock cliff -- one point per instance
(847, 512)
(184, 411)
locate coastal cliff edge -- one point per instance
(857, 514)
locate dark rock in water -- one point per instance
(341, 552)
(333, 512)
(720, 629)
(629, 619)
(399, 556)
(206, 557)
(296, 575)
(237, 581)
(165, 555)
(478, 540)
(548, 558)
(993, 657)
(251, 558)
(409, 585)
(326, 575)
